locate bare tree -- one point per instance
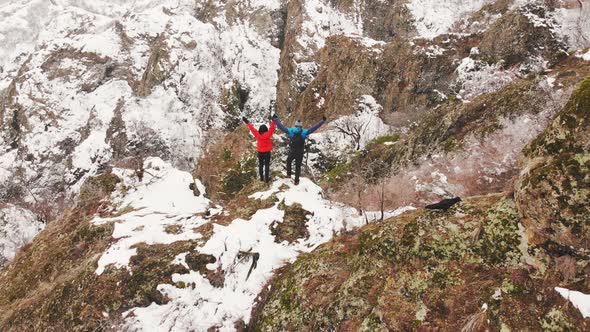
(354, 128)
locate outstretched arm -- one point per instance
(272, 127)
(316, 126)
(251, 127)
(280, 125)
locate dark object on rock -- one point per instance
(255, 258)
(444, 205)
(194, 189)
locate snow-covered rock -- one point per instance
(434, 17)
(93, 82)
(18, 227)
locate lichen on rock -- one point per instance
(553, 194)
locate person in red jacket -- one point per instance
(264, 147)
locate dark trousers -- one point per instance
(298, 157)
(264, 166)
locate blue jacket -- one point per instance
(293, 130)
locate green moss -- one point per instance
(239, 176)
(294, 224)
(337, 173)
(556, 321)
(372, 323)
(500, 239)
(383, 139)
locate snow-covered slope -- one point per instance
(163, 201)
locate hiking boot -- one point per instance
(296, 181)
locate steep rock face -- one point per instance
(455, 270)
(515, 38)
(310, 22)
(506, 41)
(553, 193)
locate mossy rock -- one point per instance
(294, 225)
(422, 269)
(239, 176)
(553, 195)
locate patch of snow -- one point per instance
(584, 56)
(580, 300)
(432, 51)
(573, 25)
(477, 77)
(18, 227)
(322, 21)
(436, 17)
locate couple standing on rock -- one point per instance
(297, 137)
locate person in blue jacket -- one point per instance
(297, 137)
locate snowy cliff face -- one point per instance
(87, 84)
(106, 107)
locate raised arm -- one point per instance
(272, 127)
(251, 127)
(280, 125)
(316, 126)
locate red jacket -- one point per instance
(264, 140)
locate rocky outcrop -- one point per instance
(516, 38)
(553, 193)
(458, 270)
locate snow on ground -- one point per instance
(163, 199)
(578, 299)
(437, 17)
(18, 227)
(584, 56)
